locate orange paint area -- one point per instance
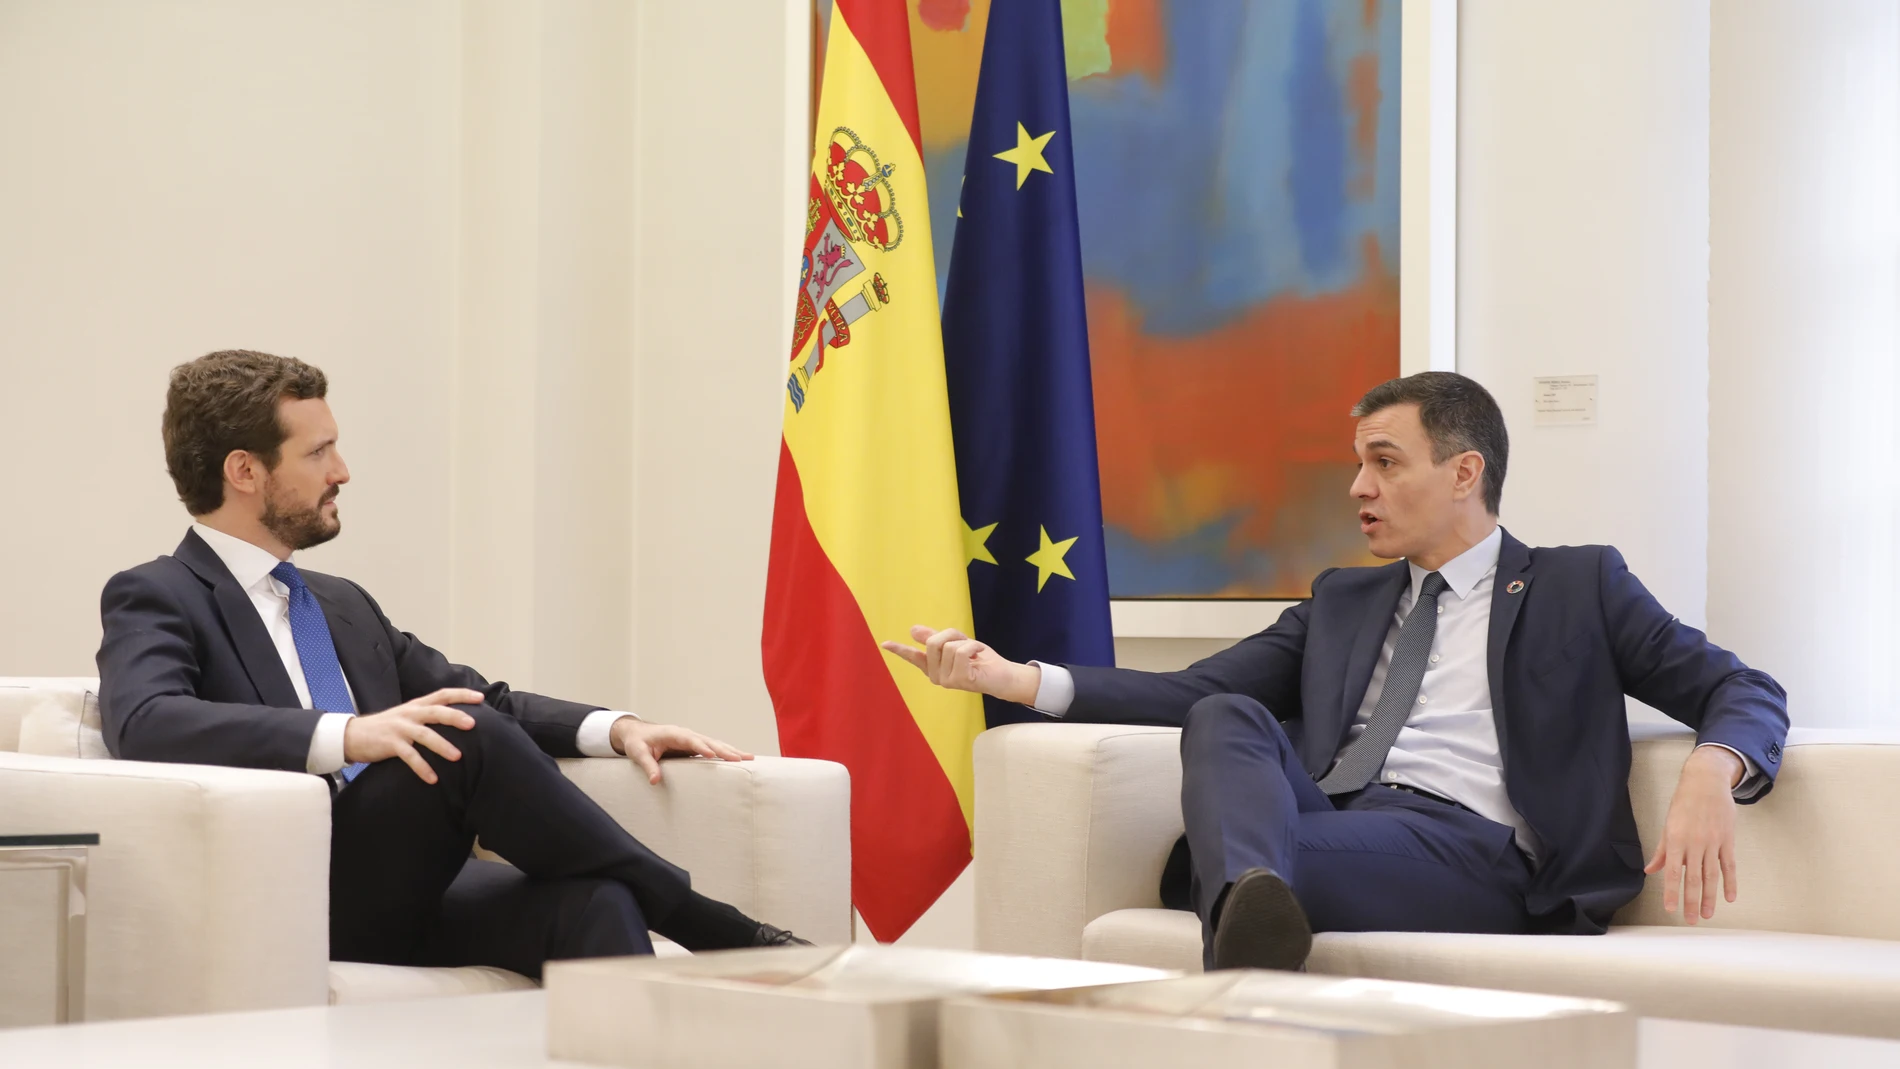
(943, 14)
(1195, 416)
(947, 59)
(1362, 99)
(1137, 39)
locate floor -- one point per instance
(506, 1031)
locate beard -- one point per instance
(300, 526)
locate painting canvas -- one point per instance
(1237, 171)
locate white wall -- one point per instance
(544, 251)
(1805, 350)
(193, 176)
(1583, 250)
(725, 152)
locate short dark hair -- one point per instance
(1459, 415)
(226, 401)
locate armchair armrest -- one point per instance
(209, 889)
(1072, 821)
(772, 835)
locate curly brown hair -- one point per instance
(225, 401)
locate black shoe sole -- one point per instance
(1262, 926)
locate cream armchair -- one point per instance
(209, 887)
(1074, 823)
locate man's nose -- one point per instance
(342, 473)
(1362, 487)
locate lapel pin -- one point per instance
(1517, 585)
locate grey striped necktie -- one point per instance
(1363, 759)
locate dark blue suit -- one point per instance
(1581, 633)
(187, 672)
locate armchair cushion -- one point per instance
(55, 716)
(772, 836)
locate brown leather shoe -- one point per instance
(1262, 925)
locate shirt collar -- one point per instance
(249, 564)
(1464, 571)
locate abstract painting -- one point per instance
(1237, 172)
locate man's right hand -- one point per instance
(397, 732)
(954, 660)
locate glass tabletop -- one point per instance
(90, 838)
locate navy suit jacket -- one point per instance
(1565, 647)
(188, 673)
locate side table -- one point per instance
(66, 855)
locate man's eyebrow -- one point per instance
(1383, 443)
(324, 444)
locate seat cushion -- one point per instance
(1815, 983)
(1157, 938)
(355, 981)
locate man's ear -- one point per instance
(243, 472)
(1470, 475)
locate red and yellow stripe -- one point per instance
(866, 534)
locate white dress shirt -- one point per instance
(251, 566)
(1449, 744)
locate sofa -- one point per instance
(1075, 821)
(209, 888)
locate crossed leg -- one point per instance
(1376, 859)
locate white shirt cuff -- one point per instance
(1752, 780)
(1056, 692)
(326, 745)
(596, 735)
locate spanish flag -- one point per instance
(867, 539)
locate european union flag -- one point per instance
(1016, 349)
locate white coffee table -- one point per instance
(508, 1031)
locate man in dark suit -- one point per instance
(1439, 744)
(227, 653)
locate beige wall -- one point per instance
(543, 249)
(1804, 339)
(193, 176)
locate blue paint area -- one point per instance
(1198, 563)
(943, 174)
(1317, 173)
(1226, 183)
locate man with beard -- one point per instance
(227, 653)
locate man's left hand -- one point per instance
(1698, 842)
(647, 743)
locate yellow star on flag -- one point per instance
(1048, 559)
(1027, 155)
(973, 544)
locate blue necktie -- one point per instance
(321, 670)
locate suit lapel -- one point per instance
(1365, 651)
(242, 624)
(1514, 570)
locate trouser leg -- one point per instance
(1393, 862)
(1243, 791)
(494, 914)
(398, 843)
